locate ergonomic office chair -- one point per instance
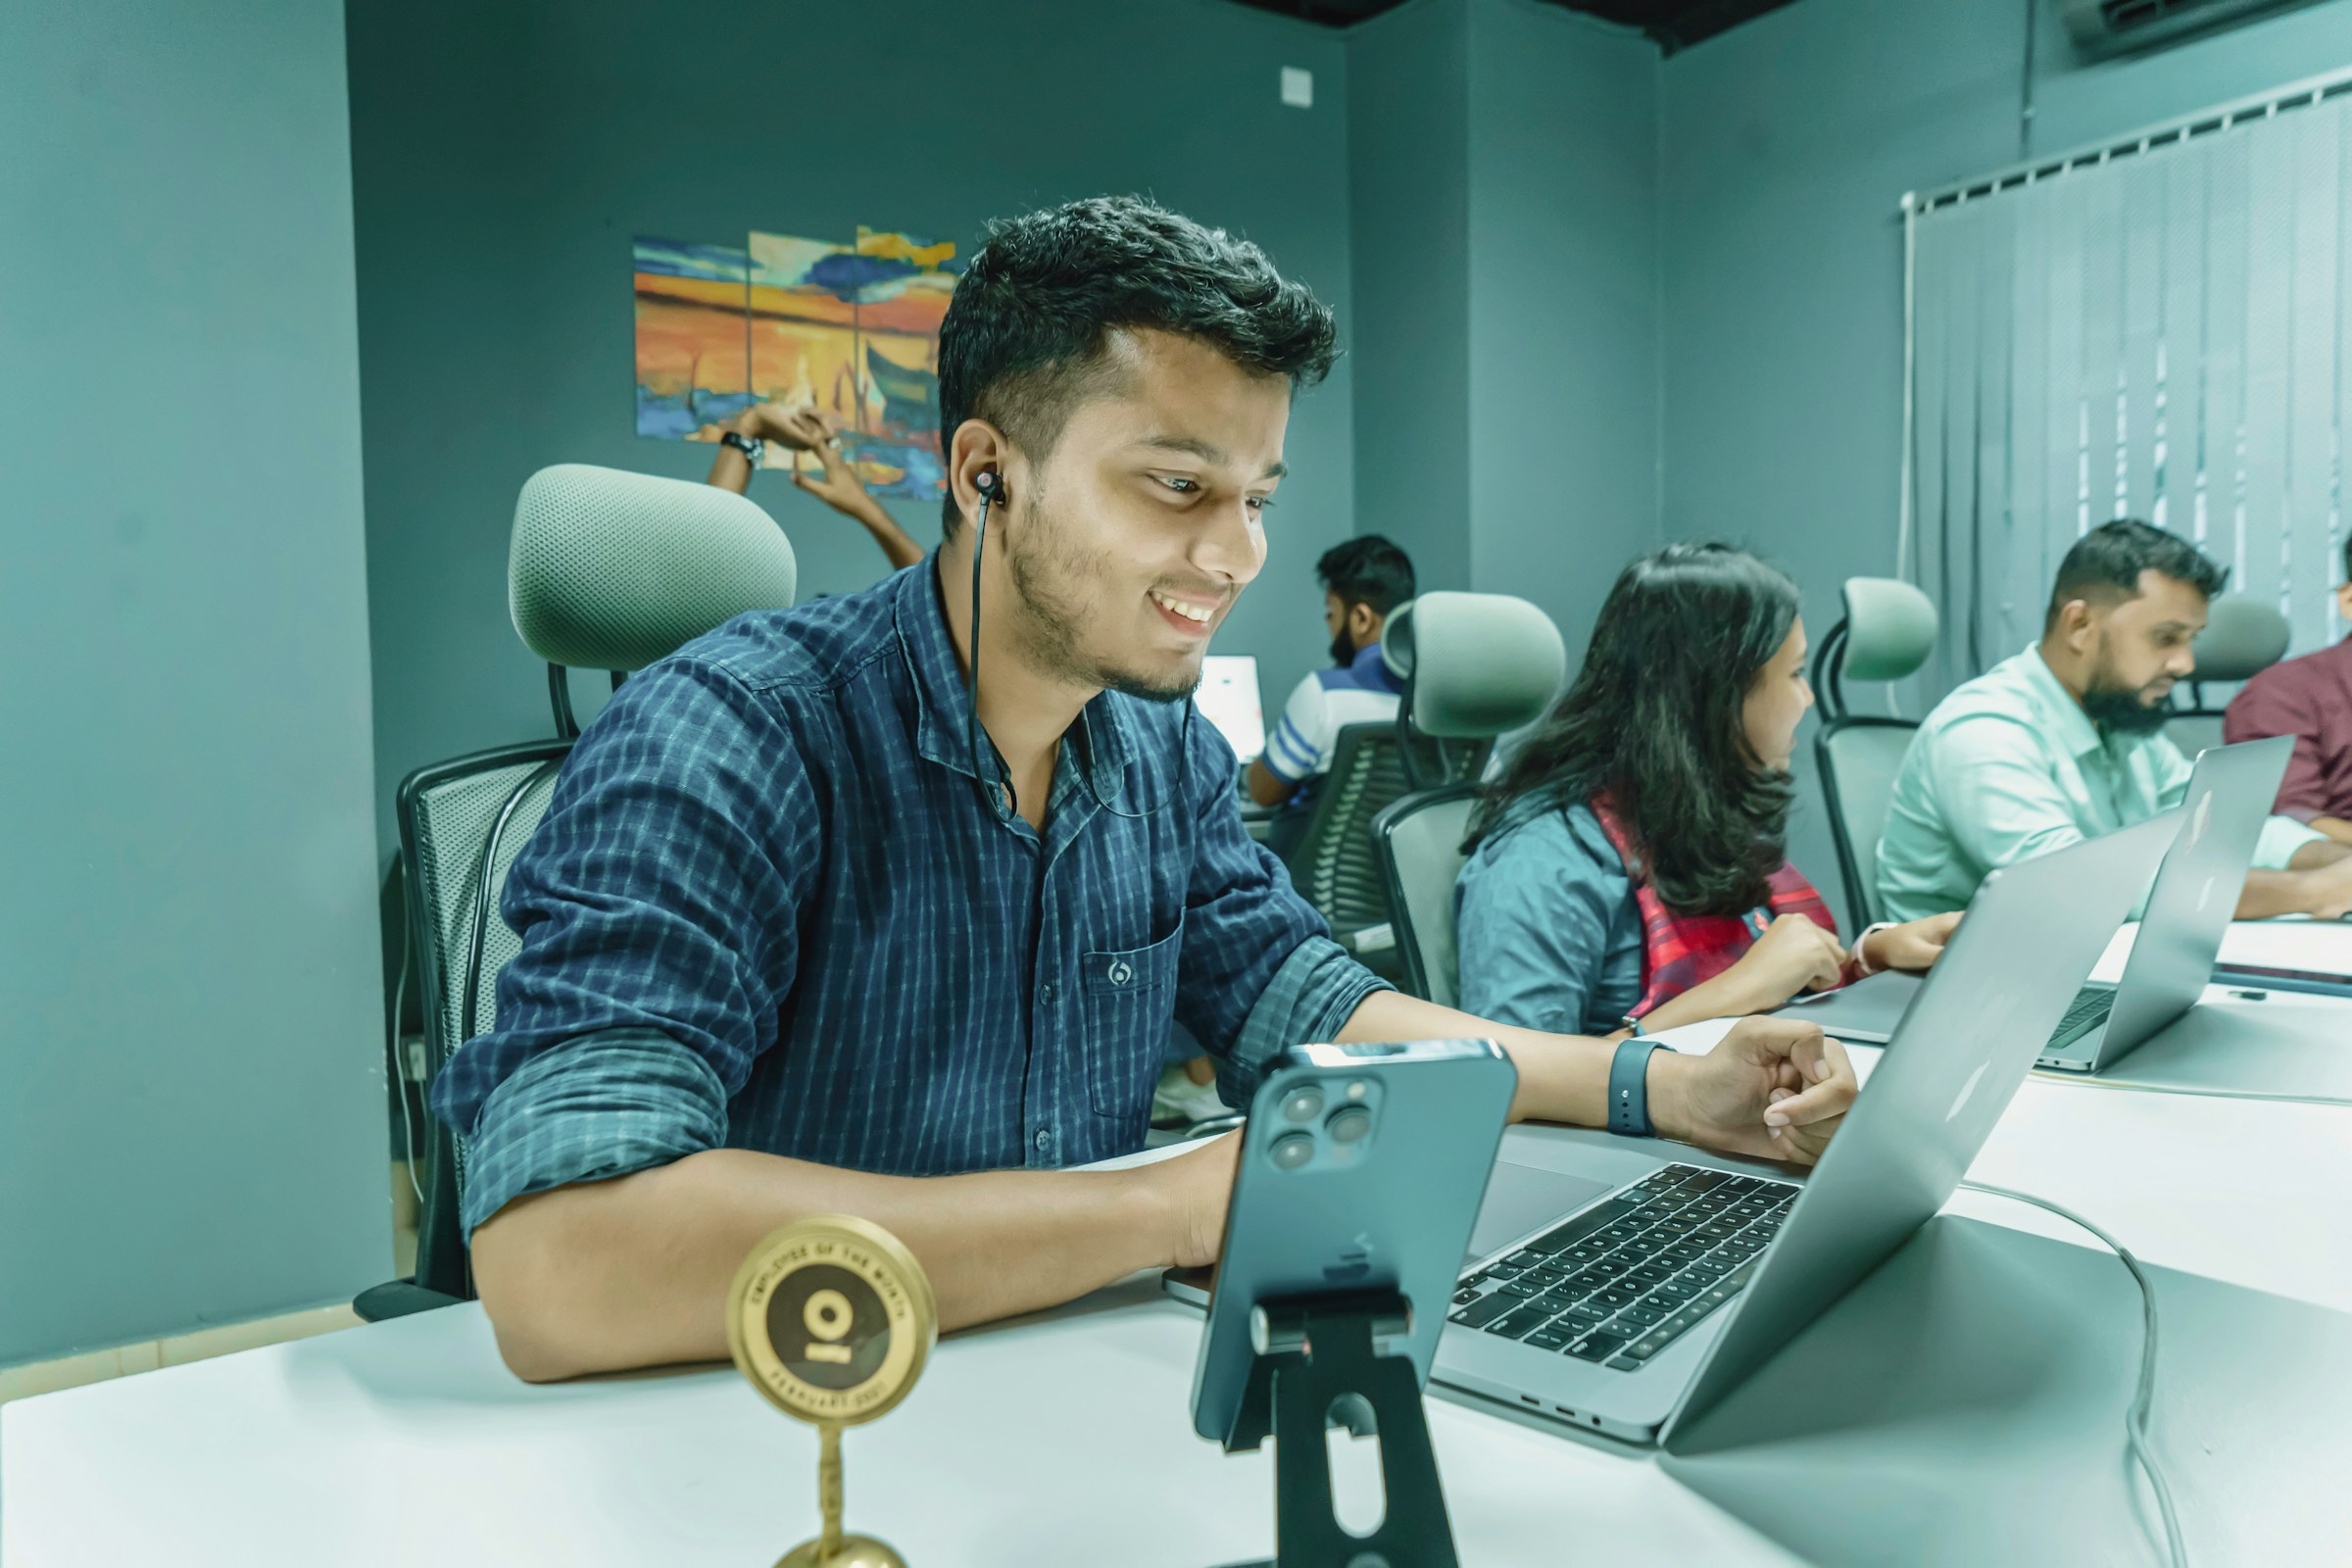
(1480, 666)
(1888, 631)
(2243, 638)
(607, 571)
(1372, 765)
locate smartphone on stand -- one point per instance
(1361, 1166)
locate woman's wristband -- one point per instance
(1864, 968)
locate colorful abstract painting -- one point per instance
(693, 352)
(848, 329)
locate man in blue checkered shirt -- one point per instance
(802, 933)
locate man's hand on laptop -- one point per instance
(1773, 1088)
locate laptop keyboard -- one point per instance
(1626, 1278)
(2091, 1007)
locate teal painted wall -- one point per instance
(1502, 155)
(1786, 147)
(1408, 176)
(191, 1095)
(504, 156)
(1564, 306)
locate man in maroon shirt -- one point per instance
(2310, 699)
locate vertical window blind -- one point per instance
(2159, 329)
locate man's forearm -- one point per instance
(730, 470)
(633, 1271)
(896, 544)
(1267, 787)
(2270, 893)
(2336, 827)
(2294, 891)
(2315, 855)
(1562, 1078)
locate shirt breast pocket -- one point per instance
(1130, 1000)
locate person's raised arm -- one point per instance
(837, 486)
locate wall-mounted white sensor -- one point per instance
(1298, 87)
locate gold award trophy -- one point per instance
(832, 1319)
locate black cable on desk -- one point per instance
(2136, 1419)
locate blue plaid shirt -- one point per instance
(770, 909)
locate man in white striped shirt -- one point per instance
(1363, 580)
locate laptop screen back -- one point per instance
(2029, 936)
(2195, 893)
(1228, 699)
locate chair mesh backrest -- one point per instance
(1333, 867)
(1861, 763)
(613, 570)
(1421, 841)
(451, 816)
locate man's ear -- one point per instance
(978, 446)
(1363, 623)
(2076, 624)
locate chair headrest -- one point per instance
(2243, 638)
(613, 570)
(1479, 664)
(1890, 628)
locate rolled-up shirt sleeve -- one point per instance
(1258, 971)
(1300, 737)
(598, 1106)
(1317, 990)
(2282, 837)
(656, 906)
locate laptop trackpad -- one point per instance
(1521, 1198)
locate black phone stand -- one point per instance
(1321, 1363)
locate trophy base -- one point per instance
(855, 1551)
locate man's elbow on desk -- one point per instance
(576, 1281)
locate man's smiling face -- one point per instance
(1130, 541)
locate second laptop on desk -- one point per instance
(2190, 908)
(1635, 1313)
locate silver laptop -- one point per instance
(1641, 1310)
(2189, 909)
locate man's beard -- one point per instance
(2112, 706)
(1053, 620)
(1342, 649)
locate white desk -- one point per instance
(1067, 1438)
(2287, 1043)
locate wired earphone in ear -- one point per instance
(995, 782)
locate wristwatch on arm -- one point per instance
(750, 446)
(1629, 1083)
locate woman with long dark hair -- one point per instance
(1629, 869)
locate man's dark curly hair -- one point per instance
(1027, 333)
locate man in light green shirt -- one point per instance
(2065, 742)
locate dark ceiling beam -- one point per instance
(1670, 24)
